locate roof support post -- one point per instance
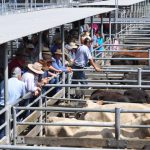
(63, 52)
(7, 128)
(102, 24)
(92, 35)
(40, 45)
(79, 31)
(116, 16)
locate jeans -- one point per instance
(78, 75)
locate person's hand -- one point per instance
(36, 93)
(69, 69)
(44, 81)
(38, 89)
(97, 69)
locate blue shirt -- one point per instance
(56, 63)
(100, 43)
(82, 56)
(16, 89)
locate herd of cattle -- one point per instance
(95, 117)
(132, 99)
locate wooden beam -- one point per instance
(57, 95)
(86, 142)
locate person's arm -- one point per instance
(94, 65)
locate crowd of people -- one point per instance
(28, 74)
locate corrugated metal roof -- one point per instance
(112, 3)
(19, 25)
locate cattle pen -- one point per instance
(65, 120)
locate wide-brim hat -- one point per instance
(45, 65)
(36, 68)
(73, 45)
(46, 50)
(58, 52)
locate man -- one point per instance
(83, 56)
(16, 88)
(30, 78)
(57, 64)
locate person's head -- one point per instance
(73, 46)
(87, 42)
(36, 68)
(57, 30)
(29, 48)
(86, 33)
(46, 54)
(45, 64)
(34, 38)
(16, 72)
(19, 53)
(58, 54)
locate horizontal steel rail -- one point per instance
(99, 86)
(113, 70)
(132, 45)
(23, 147)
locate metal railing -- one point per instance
(117, 125)
(12, 6)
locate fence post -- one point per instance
(69, 82)
(139, 76)
(117, 123)
(149, 57)
(14, 126)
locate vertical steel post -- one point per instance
(92, 36)
(116, 16)
(41, 116)
(109, 30)
(149, 57)
(40, 44)
(117, 123)
(139, 76)
(7, 129)
(14, 126)
(79, 31)
(69, 82)
(63, 52)
(102, 24)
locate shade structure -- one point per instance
(19, 25)
(113, 2)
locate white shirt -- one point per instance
(16, 89)
(29, 79)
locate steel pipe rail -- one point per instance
(22, 147)
(103, 124)
(63, 109)
(98, 86)
(114, 81)
(142, 51)
(121, 58)
(109, 70)
(132, 45)
(80, 100)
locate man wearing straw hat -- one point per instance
(30, 78)
(57, 64)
